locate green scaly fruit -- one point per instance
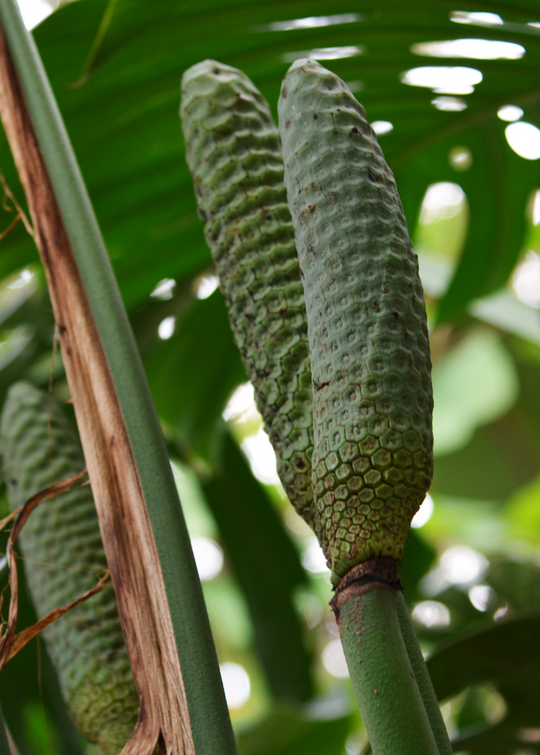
(63, 552)
(234, 154)
(372, 394)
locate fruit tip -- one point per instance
(304, 63)
(206, 67)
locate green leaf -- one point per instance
(475, 522)
(26, 342)
(516, 583)
(502, 310)
(483, 469)
(193, 374)
(505, 655)
(417, 560)
(504, 455)
(496, 228)
(268, 569)
(523, 512)
(475, 383)
(288, 732)
(122, 118)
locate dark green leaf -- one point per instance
(483, 469)
(503, 455)
(268, 570)
(122, 117)
(194, 372)
(505, 655)
(497, 216)
(417, 560)
(287, 732)
(516, 583)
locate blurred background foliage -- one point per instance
(453, 93)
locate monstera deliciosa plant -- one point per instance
(94, 175)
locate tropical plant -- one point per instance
(453, 96)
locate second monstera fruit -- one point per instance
(234, 154)
(64, 554)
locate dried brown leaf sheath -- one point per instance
(125, 527)
(11, 643)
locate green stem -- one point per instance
(390, 702)
(210, 722)
(422, 677)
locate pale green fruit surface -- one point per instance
(63, 553)
(372, 394)
(233, 152)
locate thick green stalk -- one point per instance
(422, 677)
(208, 714)
(383, 680)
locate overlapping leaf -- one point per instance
(505, 655)
(194, 373)
(268, 570)
(116, 75)
(288, 732)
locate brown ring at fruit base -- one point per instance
(376, 573)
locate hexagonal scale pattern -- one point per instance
(62, 542)
(372, 400)
(234, 154)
